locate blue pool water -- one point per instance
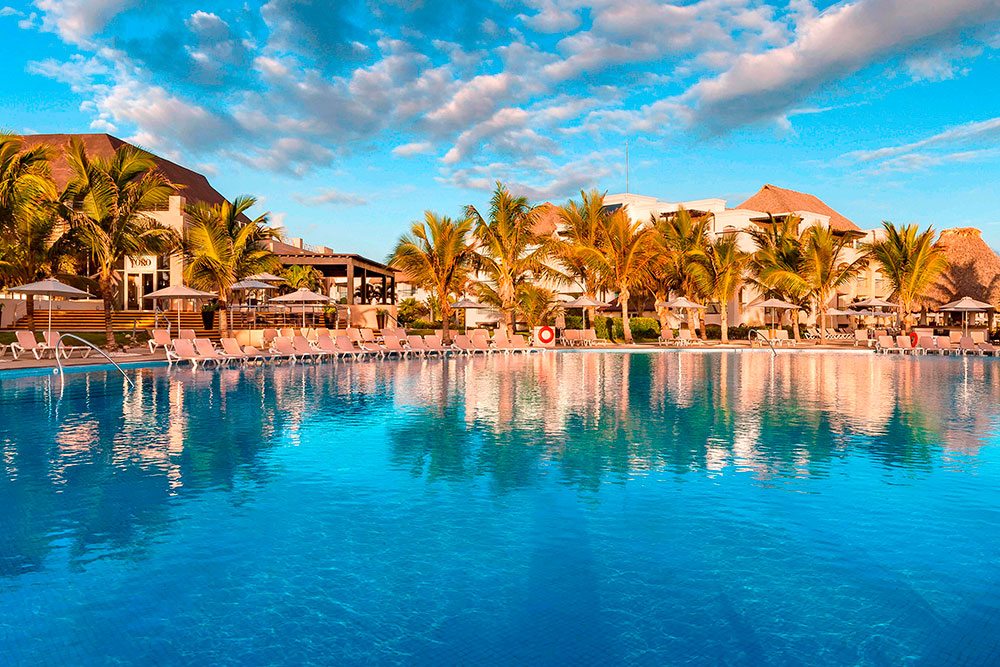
(565, 508)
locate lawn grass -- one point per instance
(94, 337)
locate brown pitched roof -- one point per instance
(973, 269)
(772, 199)
(547, 218)
(191, 185)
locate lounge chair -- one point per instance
(926, 345)
(886, 344)
(182, 349)
(232, 348)
(393, 345)
(434, 345)
(282, 348)
(861, 336)
(978, 336)
(187, 334)
(303, 350)
(905, 344)
(967, 346)
(368, 336)
(418, 346)
(354, 335)
(588, 337)
(521, 344)
(346, 348)
(989, 348)
(52, 341)
(666, 337)
(204, 347)
(26, 342)
(464, 344)
(159, 338)
(685, 337)
(944, 345)
(781, 338)
(571, 337)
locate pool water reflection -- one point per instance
(675, 507)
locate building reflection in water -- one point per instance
(102, 465)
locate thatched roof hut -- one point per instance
(973, 269)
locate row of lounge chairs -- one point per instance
(580, 338)
(27, 343)
(934, 345)
(299, 348)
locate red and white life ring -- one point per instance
(546, 335)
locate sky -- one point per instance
(348, 119)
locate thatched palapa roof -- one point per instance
(774, 200)
(973, 269)
(547, 219)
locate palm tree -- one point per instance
(437, 256)
(536, 304)
(583, 223)
(32, 244)
(300, 276)
(907, 257)
(222, 246)
(718, 274)
(107, 200)
(823, 268)
(681, 240)
(623, 259)
(779, 253)
(29, 228)
(510, 253)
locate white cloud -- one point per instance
(331, 196)
(76, 21)
(963, 143)
(839, 42)
(414, 148)
(10, 11)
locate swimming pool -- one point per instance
(564, 508)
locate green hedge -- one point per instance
(643, 328)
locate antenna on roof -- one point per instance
(626, 166)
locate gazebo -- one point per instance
(973, 271)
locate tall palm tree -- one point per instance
(33, 241)
(824, 268)
(779, 253)
(906, 256)
(510, 253)
(437, 256)
(107, 202)
(29, 228)
(719, 273)
(223, 246)
(681, 239)
(623, 259)
(583, 222)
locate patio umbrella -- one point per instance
(683, 302)
(301, 296)
(266, 278)
(251, 284)
(875, 302)
(774, 305)
(584, 302)
(466, 304)
(966, 305)
(50, 287)
(180, 292)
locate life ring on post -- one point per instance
(913, 339)
(546, 335)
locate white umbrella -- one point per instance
(775, 304)
(301, 296)
(179, 292)
(966, 305)
(683, 302)
(266, 277)
(584, 302)
(50, 287)
(250, 284)
(875, 302)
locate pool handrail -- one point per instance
(766, 339)
(62, 373)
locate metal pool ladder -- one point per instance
(767, 340)
(62, 373)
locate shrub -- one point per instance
(411, 310)
(643, 328)
(574, 322)
(602, 327)
(714, 332)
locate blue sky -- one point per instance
(350, 118)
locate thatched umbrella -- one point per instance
(973, 270)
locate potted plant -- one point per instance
(381, 317)
(330, 316)
(208, 314)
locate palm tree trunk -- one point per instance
(822, 324)
(795, 326)
(724, 322)
(626, 327)
(223, 316)
(445, 317)
(29, 305)
(107, 298)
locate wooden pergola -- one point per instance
(366, 281)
